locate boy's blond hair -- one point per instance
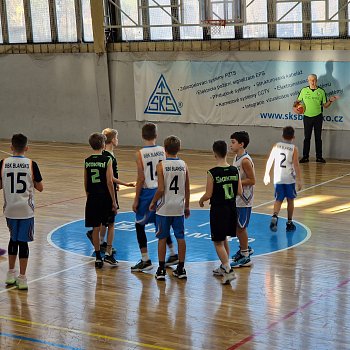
(110, 134)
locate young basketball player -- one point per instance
(19, 177)
(172, 198)
(244, 202)
(284, 155)
(111, 143)
(147, 159)
(98, 181)
(223, 185)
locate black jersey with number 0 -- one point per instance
(225, 185)
(96, 171)
(114, 162)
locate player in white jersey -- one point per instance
(19, 176)
(147, 159)
(172, 199)
(284, 155)
(244, 163)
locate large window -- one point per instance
(130, 17)
(87, 22)
(289, 12)
(1, 39)
(66, 21)
(256, 11)
(190, 15)
(321, 12)
(16, 21)
(160, 15)
(39, 10)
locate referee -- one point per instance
(314, 99)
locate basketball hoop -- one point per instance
(215, 25)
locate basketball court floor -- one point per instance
(295, 296)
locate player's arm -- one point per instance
(139, 181)
(268, 166)
(297, 168)
(330, 101)
(250, 173)
(110, 185)
(187, 194)
(127, 184)
(37, 179)
(85, 182)
(239, 187)
(160, 189)
(208, 190)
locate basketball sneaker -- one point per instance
(103, 248)
(21, 282)
(304, 160)
(238, 253)
(243, 261)
(273, 223)
(110, 260)
(172, 260)
(219, 271)
(180, 273)
(228, 277)
(98, 263)
(290, 226)
(160, 274)
(11, 278)
(142, 266)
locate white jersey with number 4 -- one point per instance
(284, 172)
(18, 187)
(150, 157)
(173, 201)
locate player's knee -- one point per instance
(12, 247)
(23, 250)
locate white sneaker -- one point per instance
(11, 277)
(228, 277)
(219, 271)
(22, 283)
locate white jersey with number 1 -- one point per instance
(150, 157)
(284, 172)
(173, 201)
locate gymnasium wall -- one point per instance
(66, 96)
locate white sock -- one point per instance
(145, 256)
(227, 267)
(245, 252)
(172, 250)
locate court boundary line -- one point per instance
(288, 315)
(90, 334)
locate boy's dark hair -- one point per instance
(110, 134)
(172, 145)
(288, 133)
(19, 142)
(149, 131)
(97, 141)
(220, 148)
(241, 137)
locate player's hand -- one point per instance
(152, 206)
(299, 185)
(187, 213)
(266, 179)
(201, 203)
(117, 188)
(333, 98)
(135, 206)
(114, 208)
(131, 184)
(296, 103)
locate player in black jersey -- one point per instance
(98, 182)
(223, 185)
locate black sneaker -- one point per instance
(273, 223)
(160, 274)
(99, 263)
(89, 236)
(320, 160)
(103, 248)
(304, 160)
(111, 260)
(142, 266)
(180, 273)
(290, 226)
(172, 260)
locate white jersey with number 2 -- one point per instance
(150, 157)
(173, 201)
(284, 172)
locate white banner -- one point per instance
(237, 93)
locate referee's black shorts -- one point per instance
(98, 210)
(223, 222)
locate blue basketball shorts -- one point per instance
(144, 215)
(243, 216)
(165, 223)
(285, 191)
(21, 230)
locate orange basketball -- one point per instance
(300, 108)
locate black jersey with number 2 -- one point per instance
(225, 185)
(96, 171)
